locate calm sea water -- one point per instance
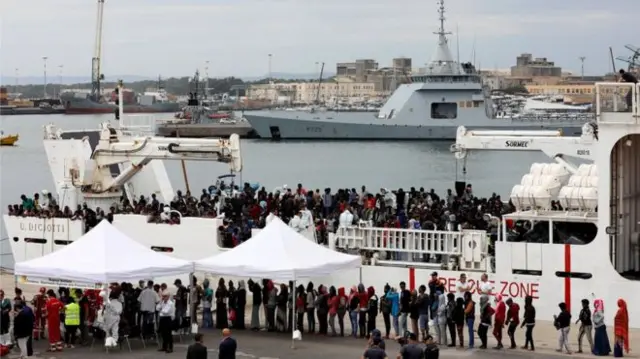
(24, 168)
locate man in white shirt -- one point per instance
(485, 287)
(462, 286)
(148, 300)
(167, 311)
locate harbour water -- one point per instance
(389, 164)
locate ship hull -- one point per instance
(280, 128)
(86, 106)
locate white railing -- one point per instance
(139, 125)
(619, 98)
(399, 240)
(468, 248)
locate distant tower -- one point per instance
(582, 58)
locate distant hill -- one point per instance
(69, 80)
(289, 76)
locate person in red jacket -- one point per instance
(513, 320)
(500, 317)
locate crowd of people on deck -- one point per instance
(428, 314)
(248, 207)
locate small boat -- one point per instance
(8, 140)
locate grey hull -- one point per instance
(299, 129)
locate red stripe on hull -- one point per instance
(412, 278)
(567, 279)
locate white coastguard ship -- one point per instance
(552, 255)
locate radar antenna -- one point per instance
(441, 31)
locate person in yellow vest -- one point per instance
(71, 322)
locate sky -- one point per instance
(175, 37)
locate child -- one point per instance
(513, 320)
(562, 322)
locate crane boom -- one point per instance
(135, 153)
(551, 143)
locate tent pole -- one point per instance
(360, 271)
(293, 314)
(192, 304)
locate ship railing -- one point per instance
(615, 101)
(139, 124)
(556, 117)
(420, 248)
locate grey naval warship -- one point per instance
(447, 95)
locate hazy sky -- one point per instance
(174, 37)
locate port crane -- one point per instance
(96, 75)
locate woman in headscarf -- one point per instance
(241, 303)
(621, 330)
(601, 346)
(221, 305)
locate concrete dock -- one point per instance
(204, 130)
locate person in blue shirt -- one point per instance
(393, 299)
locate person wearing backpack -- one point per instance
(385, 310)
(372, 310)
(343, 301)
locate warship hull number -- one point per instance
(584, 152)
(314, 129)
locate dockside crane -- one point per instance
(96, 76)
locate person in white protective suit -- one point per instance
(306, 218)
(112, 311)
(296, 222)
(346, 218)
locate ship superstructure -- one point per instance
(445, 95)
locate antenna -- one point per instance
(441, 32)
(582, 58)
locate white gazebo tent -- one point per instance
(103, 255)
(280, 253)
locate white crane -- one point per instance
(135, 153)
(551, 143)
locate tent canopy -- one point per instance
(280, 253)
(103, 255)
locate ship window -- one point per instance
(444, 110)
(469, 104)
(61, 242)
(162, 249)
(574, 233)
(35, 240)
(15, 239)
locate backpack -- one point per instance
(342, 303)
(373, 304)
(385, 305)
